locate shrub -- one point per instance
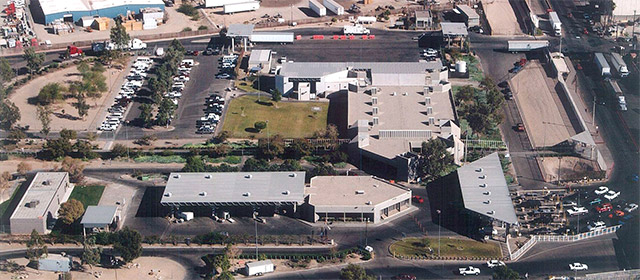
(187, 29)
(203, 27)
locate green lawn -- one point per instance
(450, 247)
(4, 205)
(88, 195)
(289, 119)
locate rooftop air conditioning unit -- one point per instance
(487, 202)
(46, 182)
(393, 94)
(33, 203)
(479, 169)
(486, 193)
(203, 194)
(359, 192)
(368, 202)
(177, 176)
(483, 185)
(375, 185)
(208, 176)
(286, 192)
(246, 194)
(491, 212)
(293, 175)
(167, 194)
(248, 176)
(405, 93)
(483, 177)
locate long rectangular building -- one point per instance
(46, 11)
(38, 208)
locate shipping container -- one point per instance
(271, 37)
(619, 65)
(525, 46)
(241, 7)
(317, 8)
(221, 3)
(334, 7)
(605, 69)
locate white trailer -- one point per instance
(355, 30)
(366, 20)
(605, 69)
(317, 8)
(241, 7)
(259, 268)
(525, 46)
(334, 7)
(271, 37)
(618, 63)
(555, 23)
(187, 216)
(221, 3)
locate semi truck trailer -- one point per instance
(555, 23)
(605, 69)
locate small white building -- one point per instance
(423, 19)
(260, 61)
(55, 263)
(151, 18)
(471, 16)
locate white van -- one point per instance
(144, 59)
(188, 62)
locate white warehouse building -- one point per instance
(46, 11)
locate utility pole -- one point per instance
(594, 110)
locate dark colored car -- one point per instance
(417, 199)
(404, 277)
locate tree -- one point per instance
(119, 150)
(128, 243)
(6, 72)
(75, 167)
(145, 116)
(84, 149)
(23, 168)
(194, 164)
(355, 272)
(252, 164)
(34, 60)
(220, 138)
(434, 159)
(298, 149)
(4, 181)
(68, 134)
(503, 272)
(15, 135)
(276, 96)
(83, 67)
(81, 105)
(226, 275)
(270, 148)
(90, 252)
(9, 114)
(44, 115)
(70, 211)
(465, 93)
(219, 150)
(165, 112)
(36, 246)
(221, 262)
(119, 36)
(57, 148)
(232, 252)
(478, 121)
(260, 125)
(322, 170)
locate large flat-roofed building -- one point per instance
(471, 16)
(354, 198)
(38, 207)
(392, 107)
(239, 193)
(46, 11)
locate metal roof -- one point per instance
(259, 56)
(319, 69)
(343, 190)
(422, 14)
(56, 6)
(468, 11)
(231, 188)
(240, 30)
(484, 189)
(99, 215)
(259, 263)
(41, 191)
(454, 29)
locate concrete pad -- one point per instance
(501, 17)
(569, 168)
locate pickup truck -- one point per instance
(470, 270)
(577, 211)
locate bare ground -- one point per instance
(501, 17)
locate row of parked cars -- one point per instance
(227, 64)
(212, 112)
(134, 81)
(603, 199)
(180, 80)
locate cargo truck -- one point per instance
(221, 3)
(259, 267)
(555, 23)
(271, 37)
(317, 8)
(525, 46)
(355, 30)
(619, 65)
(241, 7)
(334, 7)
(605, 69)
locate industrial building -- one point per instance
(423, 19)
(392, 108)
(454, 34)
(38, 207)
(260, 61)
(235, 193)
(354, 198)
(471, 16)
(100, 218)
(46, 11)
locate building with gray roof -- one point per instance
(241, 192)
(100, 218)
(260, 60)
(471, 16)
(38, 207)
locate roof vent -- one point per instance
(479, 169)
(177, 176)
(368, 203)
(359, 192)
(486, 193)
(46, 182)
(208, 176)
(405, 93)
(491, 212)
(293, 175)
(393, 94)
(487, 202)
(203, 194)
(33, 203)
(483, 185)
(287, 192)
(375, 185)
(167, 194)
(483, 177)
(246, 194)
(248, 176)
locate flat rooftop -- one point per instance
(56, 6)
(399, 112)
(470, 12)
(226, 188)
(100, 215)
(484, 189)
(258, 56)
(454, 29)
(341, 190)
(319, 69)
(240, 30)
(42, 189)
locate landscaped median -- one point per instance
(450, 248)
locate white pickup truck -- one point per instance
(470, 270)
(577, 211)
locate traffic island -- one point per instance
(450, 249)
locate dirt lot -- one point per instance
(569, 167)
(501, 17)
(542, 115)
(69, 119)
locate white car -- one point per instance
(601, 190)
(577, 211)
(181, 79)
(470, 270)
(494, 263)
(632, 207)
(611, 195)
(578, 266)
(178, 85)
(596, 226)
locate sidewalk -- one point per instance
(5, 247)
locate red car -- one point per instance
(522, 62)
(579, 66)
(404, 277)
(520, 127)
(619, 213)
(418, 199)
(604, 207)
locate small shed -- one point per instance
(86, 21)
(101, 23)
(260, 59)
(100, 218)
(55, 262)
(151, 17)
(423, 19)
